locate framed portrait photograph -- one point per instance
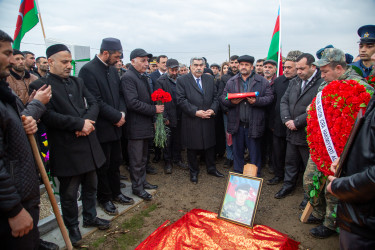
(241, 199)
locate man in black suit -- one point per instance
(141, 111)
(74, 147)
(161, 62)
(102, 80)
(196, 96)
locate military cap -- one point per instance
(348, 58)
(246, 58)
(270, 61)
(367, 34)
(215, 65)
(331, 55)
(17, 52)
(153, 60)
(139, 53)
(293, 55)
(111, 43)
(320, 52)
(243, 186)
(56, 48)
(172, 63)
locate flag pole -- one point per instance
(40, 18)
(279, 53)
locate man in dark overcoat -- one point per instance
(300, 93)
(196, 96)
(276, 125)
(246, 116)
(172, 114)
(101, 79)
(141, 111)
(75, 152)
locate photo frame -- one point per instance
(240, 200)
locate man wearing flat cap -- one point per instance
(216, 70)
(197, 98)
(75, 152)
(366, 50)
(246, 116)
(101, 79)
(269, 70)
(172, 114)
(141, 111)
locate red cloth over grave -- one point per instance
(200, 229)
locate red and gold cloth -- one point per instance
(200, 229)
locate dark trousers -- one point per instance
(172, 151)
(209, 155)
(240, 139)
(137, 151)
(266, 147)
(295, 157)
(350, 241)
(68, 195)
(220, 134)
(109, 173)
(28, 241)
(278, 155)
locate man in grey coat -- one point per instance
(196, 96)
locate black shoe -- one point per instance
(303, 204)
(109, 208)
(313, 220)
(156, 158)
(45, 245)
(122, 185)
(101, 224)
(284, 191)
(75, 236)
(216, 173)
(123, 200)
(150, 186)
(151, 170)
(181, 165)
(275, 180)
(194, 179)
(168, 168)
(123, 177)
(228, 163)
(143, 195)
(321, 232)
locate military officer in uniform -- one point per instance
(366, 49)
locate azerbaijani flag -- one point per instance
(27, 19)
(274, 51)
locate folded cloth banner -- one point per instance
(200, 229)
(241, 95)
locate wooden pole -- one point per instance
(51, 196)
(309, 208)
(229, 52)
(41, 21)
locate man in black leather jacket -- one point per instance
(356, 188)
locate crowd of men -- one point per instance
(105, 116)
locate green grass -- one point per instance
(133, 225)
(125, 241)
(98, 242)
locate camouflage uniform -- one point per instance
(238, 213)
(325, 206)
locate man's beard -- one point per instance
(19, 69)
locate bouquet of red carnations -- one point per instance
(333, 111)
(161, 132)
